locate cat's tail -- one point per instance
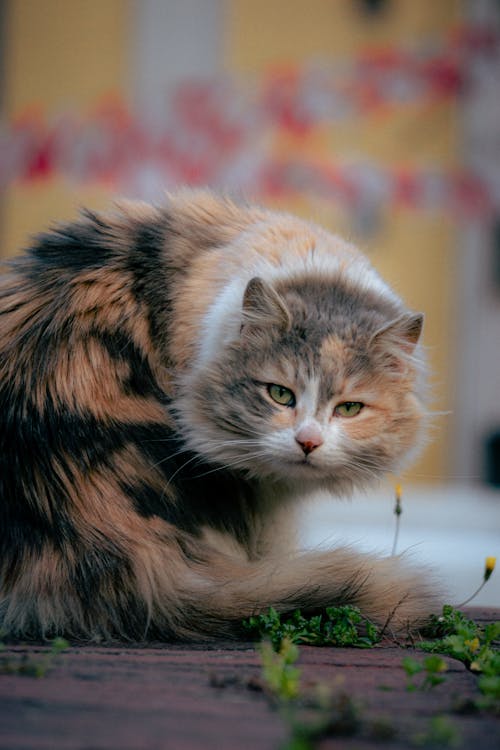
(217, 590)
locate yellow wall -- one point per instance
(60, 55)
(263, 31)
(415, 252)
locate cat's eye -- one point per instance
(348, 409)
(281, 395)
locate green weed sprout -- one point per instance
(33, 667)
(431, 669)
(278, 671)
(440, 733)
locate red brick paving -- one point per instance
(175, 697)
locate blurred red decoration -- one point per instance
(261, 139)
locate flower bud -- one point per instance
(489, 567)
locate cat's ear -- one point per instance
(397, 339)
(263, 307)
(405, 331)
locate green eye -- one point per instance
(348, 409)
(281, 395)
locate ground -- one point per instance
(178, 697)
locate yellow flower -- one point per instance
(489, 567)
(473, 645)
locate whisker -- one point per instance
(169, 456)
(242, 442)
(231, 465)
(186, 463)
(173, 438)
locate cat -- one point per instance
(172, 381)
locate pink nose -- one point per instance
(308, 446)
(309, 437)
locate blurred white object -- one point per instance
(451, 528)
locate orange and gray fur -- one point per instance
(172, 381)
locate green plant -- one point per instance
(32, 667)
(326, 714)
(440, 733)
(280, 675)
(308, 715)
(449, 622)
(463, 639)
(431, 669)
(337, 626)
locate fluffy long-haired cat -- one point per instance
(171, 381)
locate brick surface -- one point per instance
(176, 697)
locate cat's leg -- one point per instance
(80, 591)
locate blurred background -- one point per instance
(377, 118)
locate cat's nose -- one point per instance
(309, 437)
(308, 446)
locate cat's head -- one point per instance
(321, 384)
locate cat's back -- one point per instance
(169, 281)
